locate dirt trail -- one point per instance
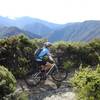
(47, 90)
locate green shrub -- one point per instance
(17, 53)
(68, 65)
(21, 95)
(86, 83)
(7, 82)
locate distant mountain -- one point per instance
(38, 28)
(11, 31)
(22, 21)
(33, 25)
(79, 31)
(84, 31)
(5, 21)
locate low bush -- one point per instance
(86, 83)
(17, 54)
(7, 82)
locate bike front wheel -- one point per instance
(59, 75)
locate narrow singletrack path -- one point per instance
(48, 90)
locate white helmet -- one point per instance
(47, 44)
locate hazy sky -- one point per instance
(57, 11)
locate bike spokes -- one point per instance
(59, 75)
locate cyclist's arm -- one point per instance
(51, 58)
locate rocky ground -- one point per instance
(48, 90)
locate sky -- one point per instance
(57, 11)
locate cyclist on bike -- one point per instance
(44, 58)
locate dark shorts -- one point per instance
(41, 62)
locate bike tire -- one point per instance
(32, 81)
(60, 75)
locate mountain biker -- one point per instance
(44, 58)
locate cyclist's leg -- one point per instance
(43, 74)
(48, 65)
(41, 65)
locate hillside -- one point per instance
(33, 25)
(38, 28)
(5, 21)
(10, 31)
(84, 31)
(79, 31)
(79, 60)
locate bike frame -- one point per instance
(54, 67)
(51, 69)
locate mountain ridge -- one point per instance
(84, 31)
(11, 31)
(78, 31)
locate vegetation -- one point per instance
(78, 53)
(22, 95)
(17, 55)
(7, 82)
(87, 83)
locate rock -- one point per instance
(48, 90)
(62, 96)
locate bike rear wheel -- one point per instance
(33, 80)
(59, 75)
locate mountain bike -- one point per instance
(57, 73)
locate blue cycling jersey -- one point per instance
(45, 51)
